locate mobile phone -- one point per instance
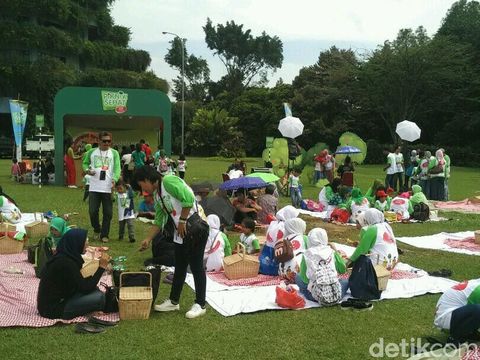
(103, 175)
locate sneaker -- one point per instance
(72, 186)
(132, 240)
(363, 306)
(96, 236)
(105, 239)
(350, 303)
(195, 312)
(167, 305)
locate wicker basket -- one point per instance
(37, 228)
(135, 302)
(8, 245)
(241, 265)
(477, 237)
(383, 275)
(89, 268)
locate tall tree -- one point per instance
(245, 57)
(197, 72)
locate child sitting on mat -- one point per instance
(248, 238)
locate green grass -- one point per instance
(318, 333)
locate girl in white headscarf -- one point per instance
(294, 233)
(318, 249)
(218, 245)
(275, 232)
(377, 238)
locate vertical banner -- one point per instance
(18, 110)
(288, 109)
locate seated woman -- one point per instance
(402, 206)
(376, 238)
(268, 202)
(275, 232)
(458, 310)
(8, 209)
(294, 233)
(63, 293)
(418, 196)
(218, 246)
(245, 207)
(357, 204)
(329, 196)
(58, 228)
(319, 250)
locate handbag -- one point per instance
(363, 282)
(111, 298)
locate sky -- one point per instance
(306, 27)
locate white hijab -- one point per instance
(276, 228)
(295, 226)
(318, 249)
(373, 217)
(286, 213)
(214, 224)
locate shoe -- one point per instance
(166, 306)
(96, 321)
(363, 306)
(72, 186)
(86, 328)
(132, 240)
(105, 239)
(350, 303)
(195, 312)
(96, 236)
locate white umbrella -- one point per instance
(408, 130)
(290, 127)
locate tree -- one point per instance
(245, 57)
(210, 129)
(197, 72)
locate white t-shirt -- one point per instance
(454, 298)
(399, 205)
(248, 242)
(318, 166)
(391, 159)
(398, 163)
(127, 158)
(235, 174)
(123, 203)
(101, 160)
(330, 162)
(182, 165)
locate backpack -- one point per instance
(43, 253)
(283, 251)
(326, 288)
(421, 212)
(363, 282)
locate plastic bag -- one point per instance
(288, 298)
(340, 215)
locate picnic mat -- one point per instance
(444, 241)
(259, 280)
(18, 296)
(234, 300)
(324, 215)
(467, 205)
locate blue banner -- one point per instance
(18, 110)
(288, 109)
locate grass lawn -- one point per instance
(318, 333)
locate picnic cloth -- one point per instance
(325, 216)
(467, 205)
(234, 300)
(259, 280)
(18, 296)
(443, 241)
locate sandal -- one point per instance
(96, 321)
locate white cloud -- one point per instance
(359, 23)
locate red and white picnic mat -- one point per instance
(18, 295)
(259, 280)
(466, 244)
(395, 275)
(472, 354)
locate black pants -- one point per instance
(130, 226)
(437, 188)
(465, 321)
(85, 192)
(95, 200)
(181, 174)
(194, 258)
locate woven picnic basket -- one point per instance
(37, 228)
(477, 237)
(135, 302)
(89, 268)
(9, 245)
(383, 274)
(241, 265)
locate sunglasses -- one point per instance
(106, 141)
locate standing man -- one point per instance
(398, 179)
(390, 168)
(103, 165)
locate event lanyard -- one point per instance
(104, 159)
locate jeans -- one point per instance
(308, 295)
(296, 196)
(317, 176)
(398, 181)
(194, 258)
(389, 181)
(465, 321)
(95, 200)
(82, 304)
(130, 226)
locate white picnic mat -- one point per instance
(234, 300)
(437, 242)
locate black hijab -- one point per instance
(72, 245)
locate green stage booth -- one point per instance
(129, 114)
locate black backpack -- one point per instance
(363, 282)
(43, 253)
(421, 212)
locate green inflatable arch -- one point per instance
(129, 111)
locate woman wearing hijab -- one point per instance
(58, 228)
(436, 172)
(329, 196)
(294, 233)
(318, 250)
(218, 245)
(63, 292)
(418, 196)
(357, 204)
(376, 238)
(275, 232)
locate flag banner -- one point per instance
(18, 110)
(288, 109)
